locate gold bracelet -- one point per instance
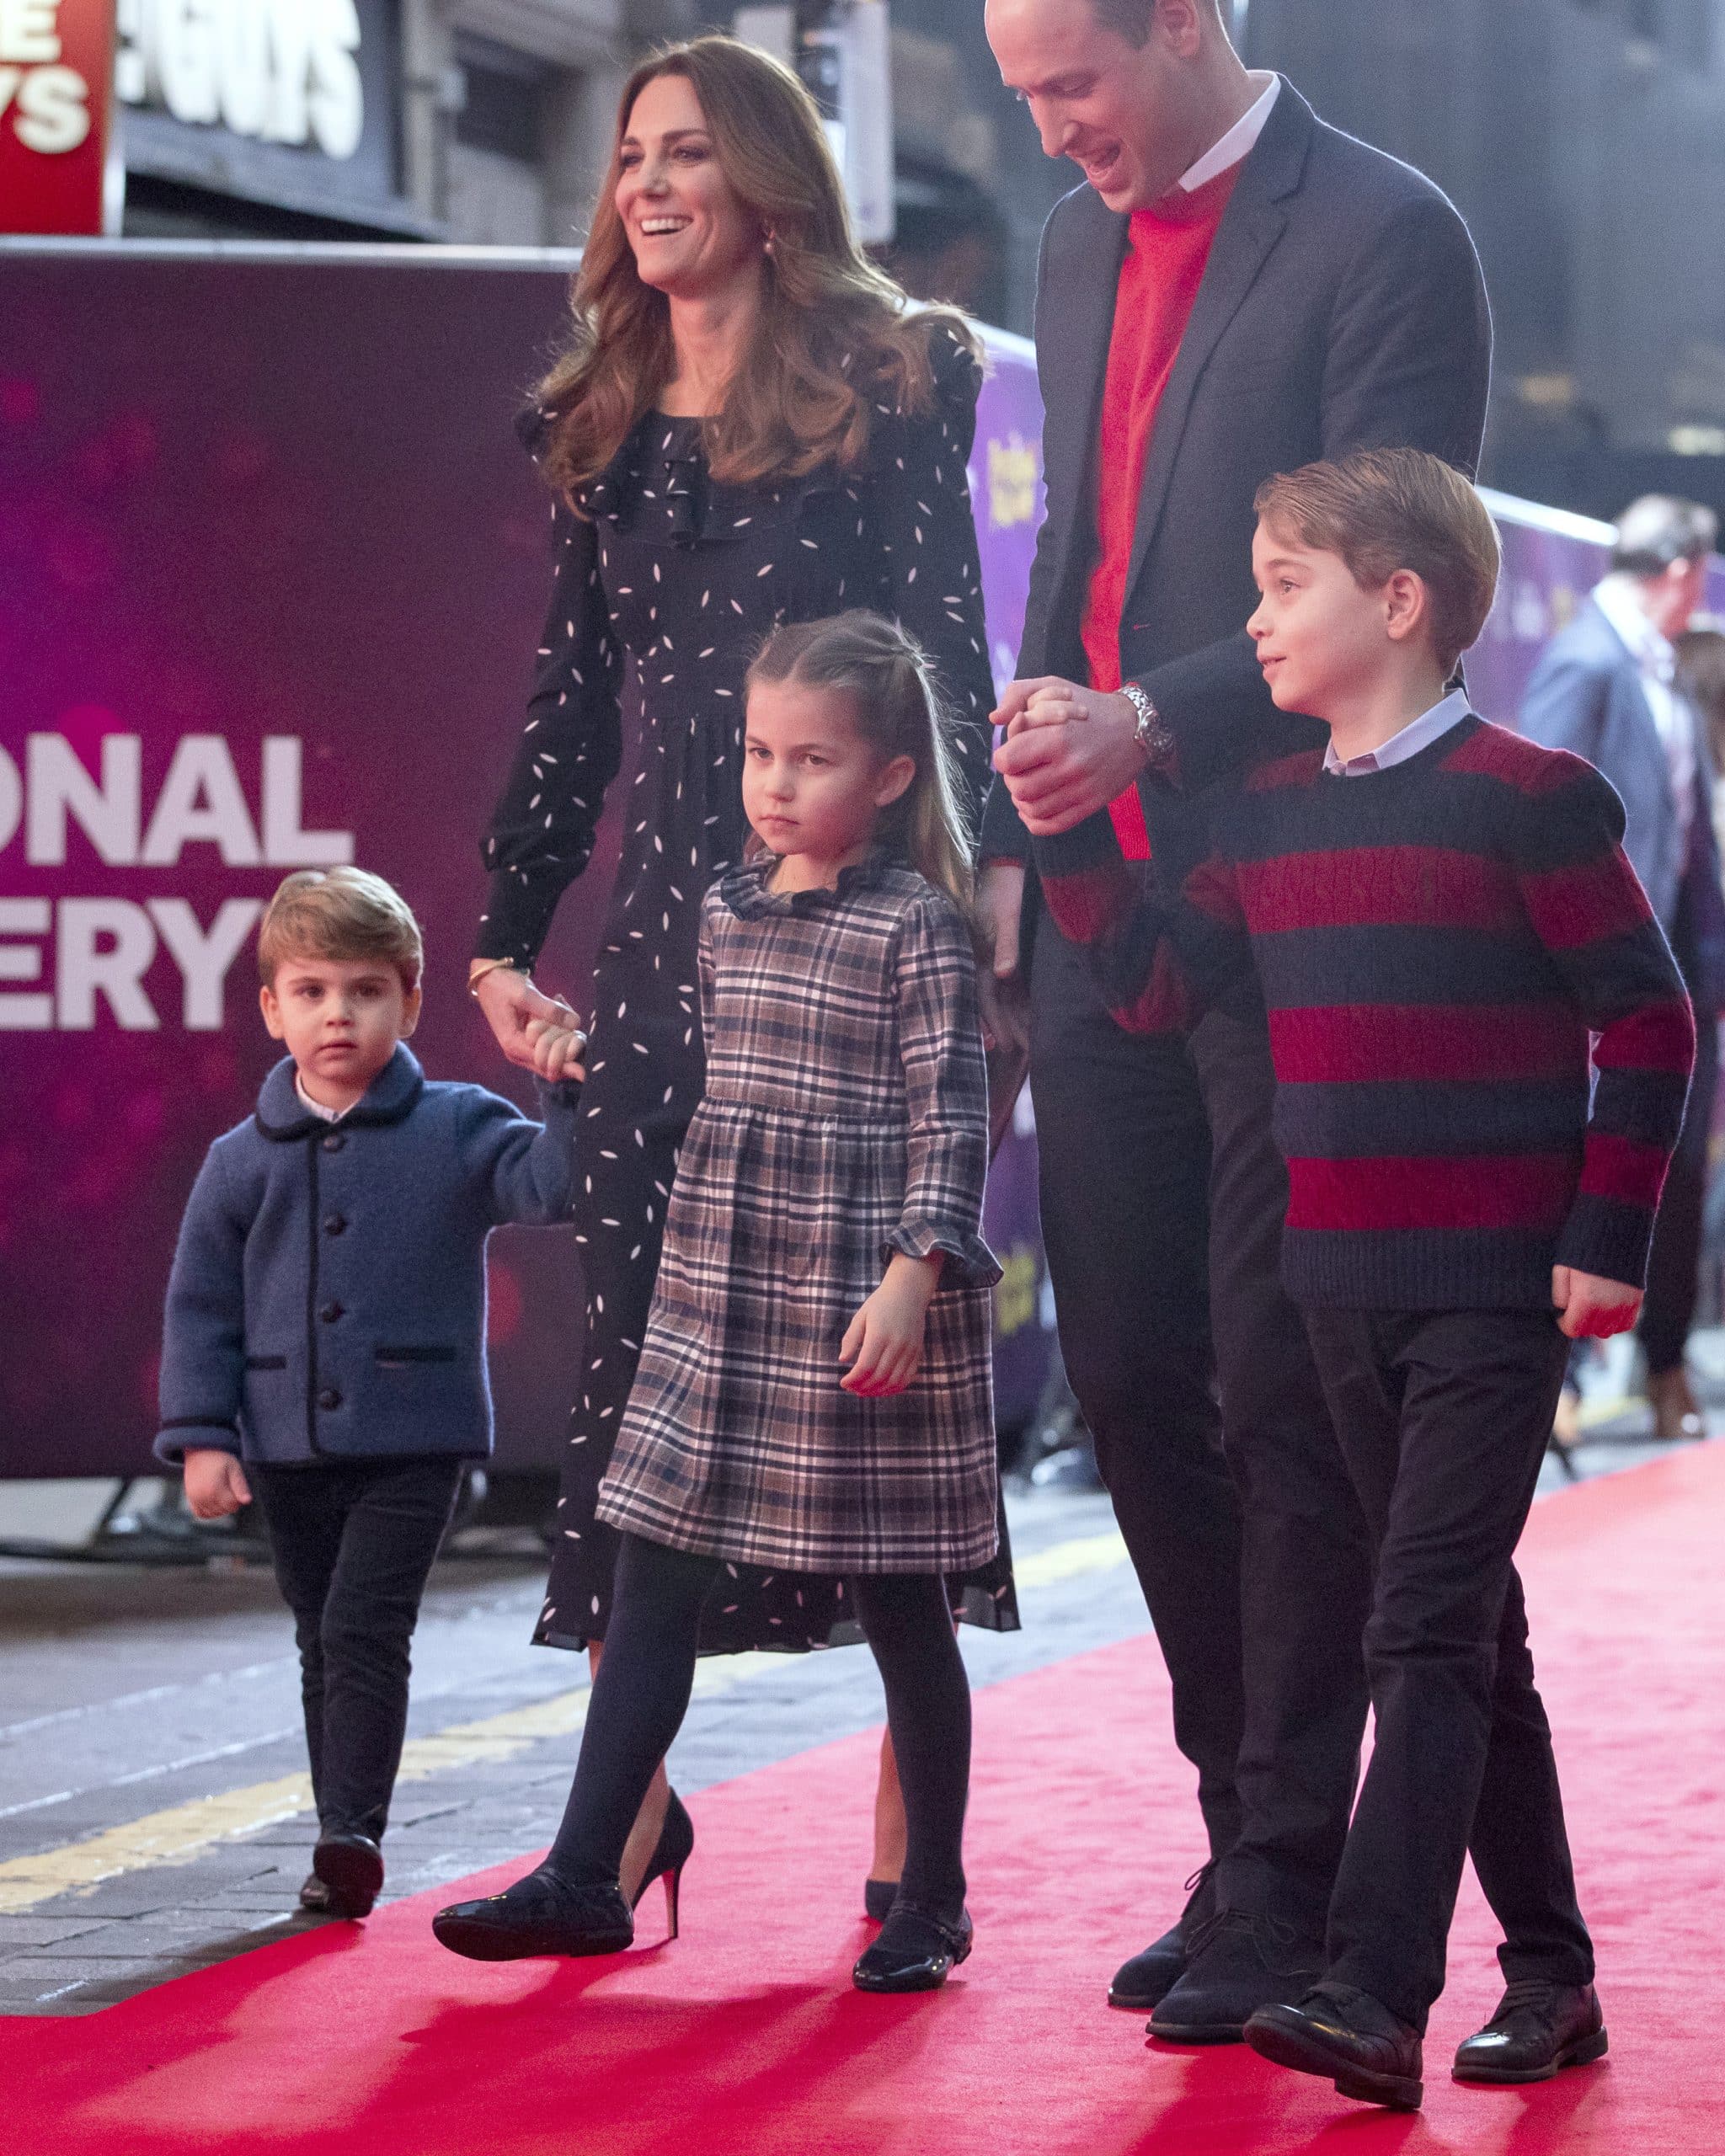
(478, 967)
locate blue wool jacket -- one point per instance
(327, 1295)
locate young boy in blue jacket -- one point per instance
(324, 1344)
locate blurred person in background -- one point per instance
(1607, 686)
(1701, 673)
(950, 248)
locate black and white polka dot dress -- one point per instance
(664, 589)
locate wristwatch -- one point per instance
(1151, 734)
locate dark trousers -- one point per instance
(353, 1542)
(1444, 1418)
(1150, 1229)
(641, 1694)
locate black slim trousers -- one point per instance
(1163, 1198)
(353, 1542)
(1443, 1417)
(641, 1694)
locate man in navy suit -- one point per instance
(1606, 687)
(1237, 289)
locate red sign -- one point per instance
(56, 98)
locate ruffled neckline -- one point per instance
(745, 889)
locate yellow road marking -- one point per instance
(1066, 1560)
(182, 1831)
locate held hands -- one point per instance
(1068, 751)
(1590, 1308)
(512, 1008)
(882, 1343)
(558, 1045)
(215, 1483)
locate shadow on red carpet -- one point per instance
(744, 2033)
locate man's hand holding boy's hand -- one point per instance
(1590, 1308)
(882, 1343)
(215, 1483)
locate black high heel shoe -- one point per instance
(878, 1895)
(915, 1951)
(539, 1914)
(671, 1853)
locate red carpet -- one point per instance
(745, 2035)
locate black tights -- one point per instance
(641, 1694)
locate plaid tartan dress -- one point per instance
(845, 1118)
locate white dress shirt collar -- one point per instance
(1238, 142)
(316, 1108)
(1418, 734)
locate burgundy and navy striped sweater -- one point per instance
(1435, 944)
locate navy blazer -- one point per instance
(1342, 308)
(327, 1295)
(1586, 695)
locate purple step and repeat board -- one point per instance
(272, 570)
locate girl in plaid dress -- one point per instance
(814, 1387)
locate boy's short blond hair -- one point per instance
(1385, 509)
(339, 913)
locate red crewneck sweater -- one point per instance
(1166, 254)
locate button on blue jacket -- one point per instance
(327, 1295)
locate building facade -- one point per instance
(482, 122)
(1584, 141)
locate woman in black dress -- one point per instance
(748, 430)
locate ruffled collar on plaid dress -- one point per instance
(745, 889)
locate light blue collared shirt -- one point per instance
(1418, 734)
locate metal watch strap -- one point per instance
(1149, 734)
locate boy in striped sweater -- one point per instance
(1439, 918)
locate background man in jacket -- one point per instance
(1606, 687)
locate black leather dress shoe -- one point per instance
(1144, 1981)
(1347, 2038)
(1538, 2029)
(1237, 1964)
(351, 1868)
(915, 1951)
(539, 1914)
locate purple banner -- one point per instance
(272, 569)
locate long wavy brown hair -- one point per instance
(832, 338)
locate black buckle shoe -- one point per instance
(539, 1914)
(1539, 2029)
(1237, 1962)
(1144, 1981)
(1346, 2036)
(915, 1951)
(351, 1866)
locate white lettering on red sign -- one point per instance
(46, 103)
